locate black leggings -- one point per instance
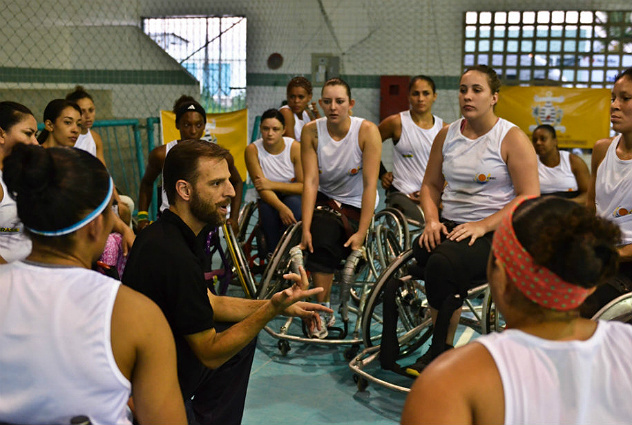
(453, 267)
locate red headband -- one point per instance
(536, 282)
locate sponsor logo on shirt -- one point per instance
(621, 212)
(9, 230)
(354, 171)
(482, 178)
(407, 155)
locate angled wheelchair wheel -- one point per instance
(413, 326)
(394, 219)
(619, 309)
(250, 237)
(239, 262)
(280, 264)
(492, 319)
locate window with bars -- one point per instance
(212, 49)
(565, 48)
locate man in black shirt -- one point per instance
(167, 263)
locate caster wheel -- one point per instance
(284, 347)
(360, 382)
(351, 352)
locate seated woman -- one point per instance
(17, 125)
(274, 165)
(477, 166)
(91, 142)
(412, 133)
(75, 342)
(190, 122)
(561, 173)
(299, 109)
(341, 160)
(550, 366)
(610, 192)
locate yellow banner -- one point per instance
(229, 130)
(580, 116)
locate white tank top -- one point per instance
(299, 123)
(56, 359)
(163, 194)
(559, 178)
(565, 382)
(86, 142)
(340, 164)
(613, 191)
(478, 182)
(279, 167)
(411, 153)
(14, 244)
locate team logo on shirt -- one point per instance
(354, 171)
(482, 178)
(620, 212)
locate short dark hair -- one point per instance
(54, 188)
(181, 163)
(299, 82)
(625, 73)
(425, 78)
(78, 93)
(273, 113)
(12, 113)
(547, 127)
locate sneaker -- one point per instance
(327, 320)
(423, 361)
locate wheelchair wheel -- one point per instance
(413, 324)
(280, 264)
(492, 319)
(388, 237)
(250, 237)
(239, 263)
(619, 309)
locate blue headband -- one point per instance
(87, 219)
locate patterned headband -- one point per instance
(537, 283)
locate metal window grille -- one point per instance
(565, 48)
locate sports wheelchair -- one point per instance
(396, 321)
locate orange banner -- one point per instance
(229, 130)
(580, 116)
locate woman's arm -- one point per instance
(268, 196)
(430, 194)
(309, 160)
(238, 185)
(522, 164)
(154, 168)
(582, 176)
(371, 146)
(598, 154)
(390, 128)
(288, 115)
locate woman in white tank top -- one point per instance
(88, 139)
(86, 343)
(477, 166)
(561, 173)
(17, 125)
(550, 366)
(299, 109)
(610, 191)
(341, 157)
(274, 165)
(412, 133)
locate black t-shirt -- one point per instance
(167, 263)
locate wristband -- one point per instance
(143, 215)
